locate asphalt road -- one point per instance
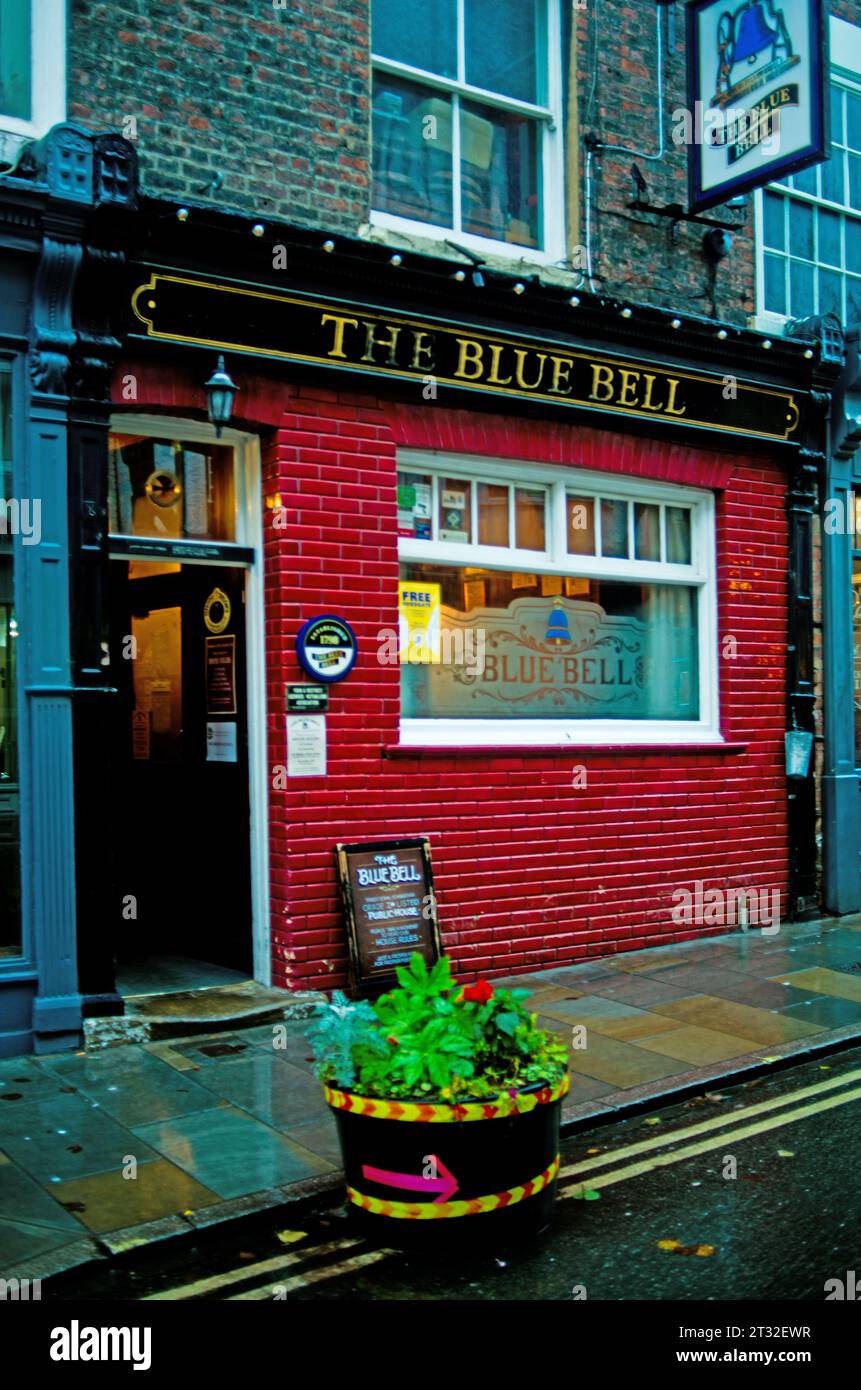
(749, 1193)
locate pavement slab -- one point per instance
(231, 1153)
(760, 1026)
(125, 1197)
(132, 1085)
(63, 1139)
(830, 982)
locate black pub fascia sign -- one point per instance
(351, 338)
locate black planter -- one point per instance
(424, 1176)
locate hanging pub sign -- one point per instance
(756, 95)
(389, 907)
(326, 648)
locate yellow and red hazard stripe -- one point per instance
(439, 1112)
(470, 1206)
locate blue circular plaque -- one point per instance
(326, 648)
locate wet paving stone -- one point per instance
(32, 1203)
(65, 1138)
(642, 993)
(699, 1046)
(321, 1138)
(760, 1026)
(231, 1153)
(132, 1085)
(829, 982)
(758, 994)
(204, 1051)
(23, 1080)
(111, 1201)
(699, 979)
(825, 1010)
(586, 1088)
(20, 1241)
(269, 1088)
(622, 1064)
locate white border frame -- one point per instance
(48, 25)
(844, 39)
(249, 526)
(552, 157)
(701, 573)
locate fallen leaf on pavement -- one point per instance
(676, 1248)
(785, 1153)
(290, 1237)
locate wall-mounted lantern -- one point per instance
(220, 391)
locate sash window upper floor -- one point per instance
(466, 123)
(32, 71)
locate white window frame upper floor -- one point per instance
(555, 560)
(548, 115)
(845, 72)
(48, 29)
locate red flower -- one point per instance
(479, 993)
(393, 1040)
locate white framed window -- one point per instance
(32, 70)
(808, 227)
(549, 606)
(466, 123)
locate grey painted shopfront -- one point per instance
(55, 208)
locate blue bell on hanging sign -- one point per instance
(799, 746)
(752, 33)
(557, 626)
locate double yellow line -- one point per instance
(722, 1130)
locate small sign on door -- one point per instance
(221, 743)
(221, 674)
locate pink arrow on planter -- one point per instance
(446, 1184)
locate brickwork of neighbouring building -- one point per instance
(273, 99)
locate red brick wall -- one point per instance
(529, 871)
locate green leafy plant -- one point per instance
(431, 1039)
(341, 1028)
